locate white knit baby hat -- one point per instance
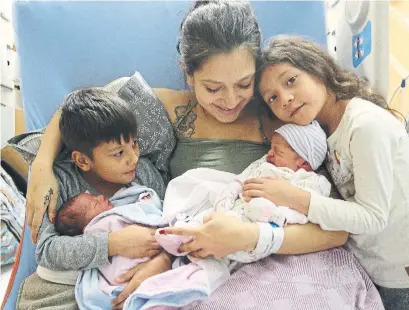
(310, 142)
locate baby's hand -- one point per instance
(145, 196)
(262, 210)
(140, 273)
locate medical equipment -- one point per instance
(358, 37)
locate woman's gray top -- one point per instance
(225, 155)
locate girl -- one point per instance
(368, 159)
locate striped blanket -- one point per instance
(12, 217)
(328, 280)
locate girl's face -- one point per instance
(293, 95)
(224, 84)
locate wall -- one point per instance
(399, 53)
(12, 121)
(12, 117)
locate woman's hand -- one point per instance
(220, 235)
(140, 273)
(133, 241)
(278, 191)
(42, 194)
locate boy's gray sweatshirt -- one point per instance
(156, 141)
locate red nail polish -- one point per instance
(162, 232)
(53, 219)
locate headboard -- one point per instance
(65, 45)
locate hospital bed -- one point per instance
(65, 45)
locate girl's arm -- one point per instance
(373, 147)
(308, 238)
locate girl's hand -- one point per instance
(278, 191)
(42, 194)
(220, 235)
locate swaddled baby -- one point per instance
(296, 152)
(86, 213)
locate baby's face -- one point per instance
(93, 205)
(282, 154)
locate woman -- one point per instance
(218, 125)
(368, 160)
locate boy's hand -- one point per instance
(133, 241)
(140, 273)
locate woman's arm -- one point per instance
(42, 191)
(171, 99)
(222, 234)
(51, 142)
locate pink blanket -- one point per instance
(328, 280)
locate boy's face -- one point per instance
(282, 154)
(92, 205)
(115, 162)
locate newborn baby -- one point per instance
(76, 213)
(296, 152)
(92, 214)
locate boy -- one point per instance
(99, 131)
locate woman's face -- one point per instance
(224, 84)
(293, 95)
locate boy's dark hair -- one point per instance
(70, 220)
(92, 116)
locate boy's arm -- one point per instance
(70, 253)
(63, 252)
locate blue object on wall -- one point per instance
(362, 45)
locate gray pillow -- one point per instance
(27, 144)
